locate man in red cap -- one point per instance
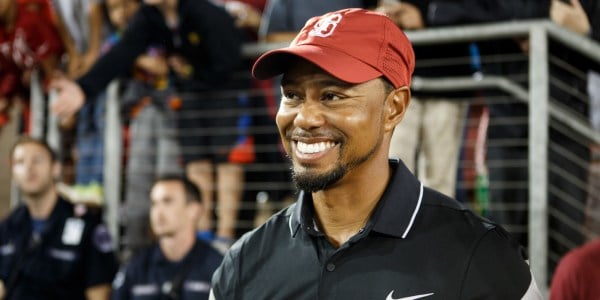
(363, 226)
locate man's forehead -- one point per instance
(303, 71)
(30, 149)
(169, 188)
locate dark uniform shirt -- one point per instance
(150, 275)
(417, 244)
(70, 254)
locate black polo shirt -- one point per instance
(71, 253)
(417, 244)
(149, 274)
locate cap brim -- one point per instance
(334, 62)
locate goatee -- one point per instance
(311, 182)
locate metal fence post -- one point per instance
(53, 136)
(37, 106)
(538, 154)
(113, 150)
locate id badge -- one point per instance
(73, 231)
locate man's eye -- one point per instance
(331, 96)
(291, 96)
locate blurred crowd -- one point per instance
(194, 123)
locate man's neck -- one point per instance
(344, 209)
(40, 206)
(177, 246)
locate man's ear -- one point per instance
(195, 210)
(56, 170)
(396, 105)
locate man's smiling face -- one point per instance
(328, 127)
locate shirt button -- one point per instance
(330, 267)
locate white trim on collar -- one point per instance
(290, 224)
(414, 215)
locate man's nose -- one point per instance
(28, 165)
(310, 115)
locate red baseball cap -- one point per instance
(354, 45)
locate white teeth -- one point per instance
(314, 148)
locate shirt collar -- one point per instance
(159, 258)
(61, 210)
(394, 215)
(302, 213)
(398, 207)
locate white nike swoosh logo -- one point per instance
(389, 296)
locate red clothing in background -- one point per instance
(33, 39)
(578, 274)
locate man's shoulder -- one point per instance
(206, 255)
(13, 222)
(436, 203)
(483, 247)
(444, 214)
(432, 197)
(89, 213)
(140, 262)
(17, 214)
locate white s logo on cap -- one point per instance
(326, 25)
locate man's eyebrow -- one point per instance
(334, 82)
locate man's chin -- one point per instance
(311, 181)
(159, 233)
(32, 193)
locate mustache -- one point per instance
(298, 133)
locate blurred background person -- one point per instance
(179, 265)
(51, 249)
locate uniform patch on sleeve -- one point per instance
(102, 239)
(7, 249)
(119, 280)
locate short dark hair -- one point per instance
(192, 192)
(387, 85)
(25, 139)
